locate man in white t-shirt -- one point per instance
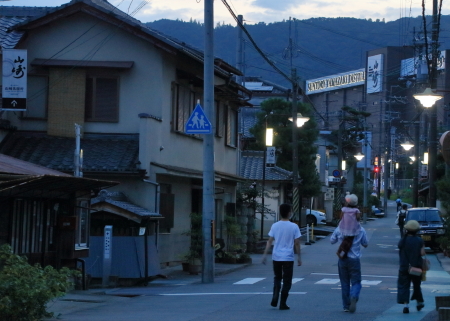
(286, 235)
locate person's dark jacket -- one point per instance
(410, 247)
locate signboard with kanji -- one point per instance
(14, 80)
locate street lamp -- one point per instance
(428, 98)
(407, 145)
(425, 158)
(269, 142)
(297, 121)
(300, 120)
(359, 156)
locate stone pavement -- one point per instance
(82, 300)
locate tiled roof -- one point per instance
(10, 16)
(110, 9)
(258, 84)
(11, 165)
(120, 200)
(102, 153)
(247, 119)
(252, 168)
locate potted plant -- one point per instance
(244, 258)
(230, 257)
(194, 256)
(185, 261)
(444, 244)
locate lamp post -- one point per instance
(428, 99)
(359, 157)
(297, 121)
(269, 142)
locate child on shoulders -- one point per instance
(350, 216)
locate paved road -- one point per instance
(245, 294)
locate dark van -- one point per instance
(431, 224)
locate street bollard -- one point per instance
(307, 235)
(312, 233)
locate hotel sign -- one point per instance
(338, 81)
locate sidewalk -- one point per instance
(82, 300)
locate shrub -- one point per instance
(26, 289)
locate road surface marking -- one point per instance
(224, 293)
(249, 281)
(364, 275)
(365, 282)
(328, 281)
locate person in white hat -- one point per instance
(411, 252)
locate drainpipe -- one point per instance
(158, 191)
(157, 204)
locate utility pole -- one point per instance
(386, 167)
(432, 149)
(239, 55)
(208, 147)
(295, 193)
(416, 163)
(365, 175)
(380, 139)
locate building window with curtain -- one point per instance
(82, 235)
(219, 118)
(184, 100)
(231, 127)
(102, 99)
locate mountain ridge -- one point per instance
(319, 47)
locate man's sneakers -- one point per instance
(345, 309)
(352, 307)
(420, 306)
(405, 310)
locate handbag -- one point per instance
(415, 271)
(425, 264)
(396, 221)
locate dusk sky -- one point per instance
(255, 11)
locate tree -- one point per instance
(276, 113)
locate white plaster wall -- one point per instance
(173, 245)
(141, 88)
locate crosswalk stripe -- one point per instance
(249, 281)
(365, 282)
(335, 281)
(225, 293)
(328, 281)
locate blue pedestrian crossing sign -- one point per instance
(198, 123)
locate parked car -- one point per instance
(315, 217)
(431, 224)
